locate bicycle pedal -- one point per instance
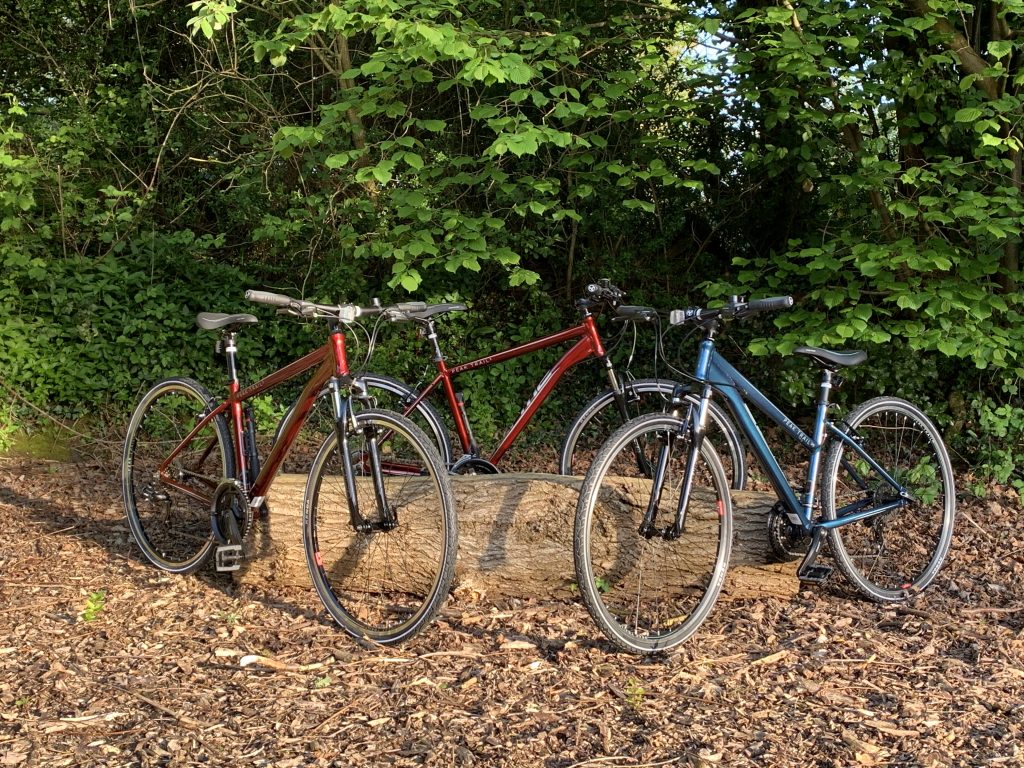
(228, 557)
(814, 574)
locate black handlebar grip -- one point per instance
(770, 304)
(631, 312)
(273, 299)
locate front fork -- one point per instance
(692, 431)
(345, 423)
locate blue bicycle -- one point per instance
(653, 529)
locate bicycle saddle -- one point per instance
(833, 360)
(216, 321)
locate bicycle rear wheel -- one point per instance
(896, 554)
(381, 584)
(171, 521)
(593, 425)
(649, 593)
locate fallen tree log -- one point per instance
(515, 539)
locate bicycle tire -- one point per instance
(904, 442)
(171, 528)
(382, 586)
(389, 394)
(612, 559)
(600, 417)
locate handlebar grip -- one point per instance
(632, 313)
(770, 304)
(409, 306)
(273, 299)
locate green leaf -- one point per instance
(1000, 48)
(967, 115)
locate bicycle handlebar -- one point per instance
(736, 308)
(346, 313)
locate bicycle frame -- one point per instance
(718, 375)
(332, 365)
(588, 344)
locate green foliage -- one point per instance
(94, 605)
(864, 158)
(902, 149)
(997, 440)
(448, 132)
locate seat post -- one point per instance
(230, 352)
(825, 387)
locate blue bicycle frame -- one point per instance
(718, 375)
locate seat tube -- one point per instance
(814, 464)
(238, 421)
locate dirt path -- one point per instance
(163, 673)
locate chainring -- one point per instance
(787, 541)
(230, 515)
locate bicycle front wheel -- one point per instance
(384, 572)
(893, 555)
(169, 515)
(648, 593)
(600, 417)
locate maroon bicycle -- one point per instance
(193, 482)
(624, 399)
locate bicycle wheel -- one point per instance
(650, 594)
(388, 394)
(896, 554)
(381, 585)
(600, 417)
(171, 523)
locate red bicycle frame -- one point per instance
(332, 362)
(588, 345)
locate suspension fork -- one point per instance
(345, 420)
(692, 431)
(697, 422)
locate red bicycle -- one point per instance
(626, 397)
(380, 544)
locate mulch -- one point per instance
(106, 661)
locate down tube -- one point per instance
(580, 351)
(736, 389)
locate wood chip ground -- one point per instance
(106, 661)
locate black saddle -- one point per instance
(832, 360)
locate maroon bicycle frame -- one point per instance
(588, 345)
(332, 362)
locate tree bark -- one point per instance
(515, 539)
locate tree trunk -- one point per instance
(515, 539)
